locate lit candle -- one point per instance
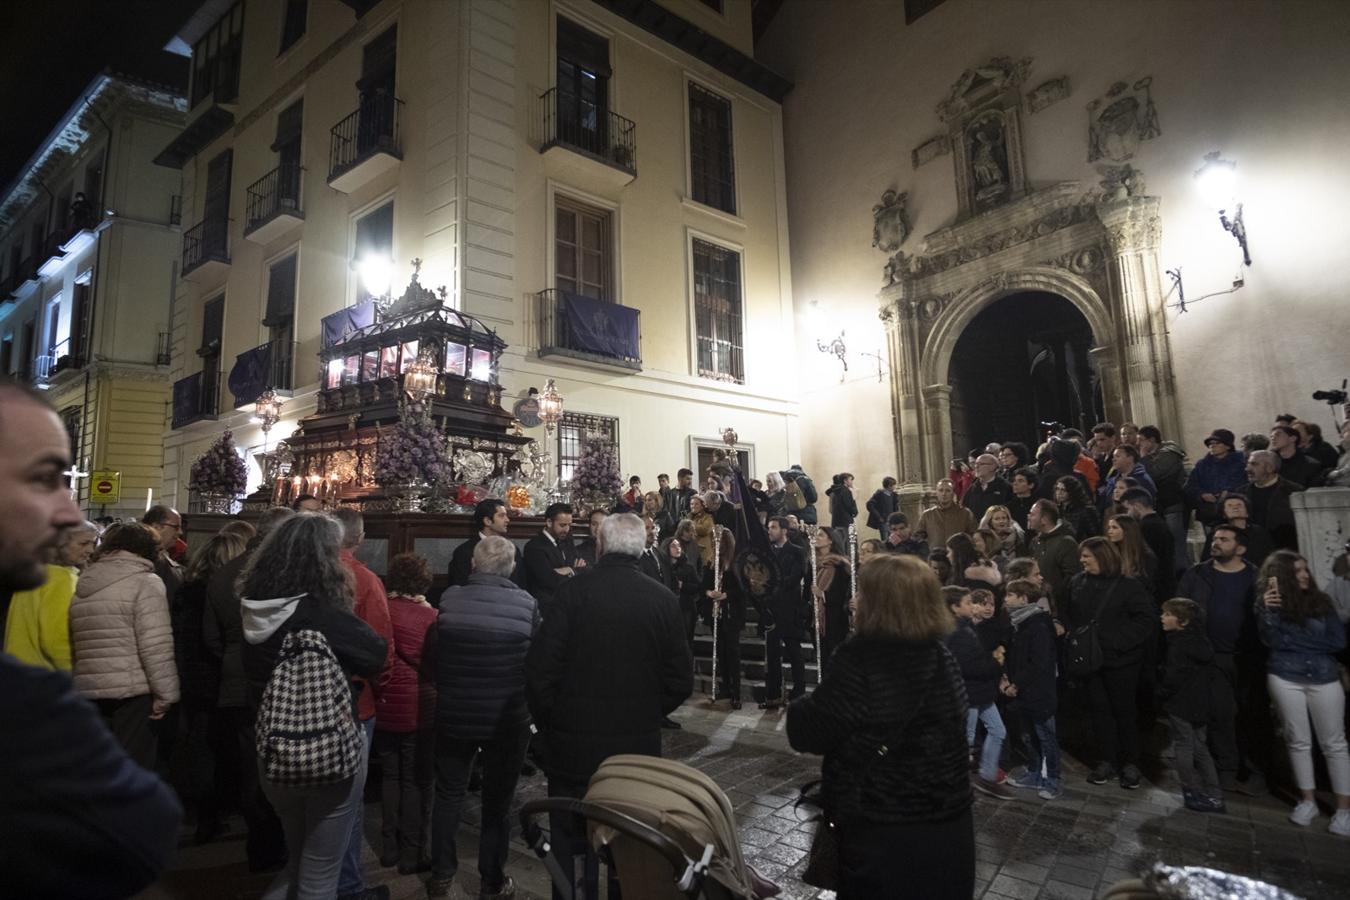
(149, 493)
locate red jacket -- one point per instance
(407, 699)
(372, 607)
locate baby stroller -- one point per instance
(665, 828)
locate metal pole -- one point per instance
(716, 605)
(812, 531)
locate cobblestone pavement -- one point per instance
(1026, 848)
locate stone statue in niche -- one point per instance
(1121, 119)
(988, 160)
(890, 222)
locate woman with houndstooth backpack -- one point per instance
(302, 645)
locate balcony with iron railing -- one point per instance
(272, 204)
(596, 332)
(206, 249)
(596, 145)
(367, 143)
(196, 398)
(41, 373)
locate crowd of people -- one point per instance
(1039, 600)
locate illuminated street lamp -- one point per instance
(1217, 181)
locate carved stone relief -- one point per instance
(977, 86)
(1120, 119)
(1120, 182)
(930, 150)
(1048, 93)
(890, 222)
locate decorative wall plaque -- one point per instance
(1120, 119)
(930, 150)
(1047, 94)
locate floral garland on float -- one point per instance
(411, 458)
(219, 475)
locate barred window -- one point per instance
(712, 168)
(717, 312)
(573, 432)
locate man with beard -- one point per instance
(79, 818)
(1224, 586)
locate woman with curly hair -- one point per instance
(1076, 508)
(296, 581)
(1300, 626)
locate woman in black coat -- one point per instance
(687, 583)
(1126, 618)
(889, 718)
(729, 604)
(1076, 509)
(833, 589)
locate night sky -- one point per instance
(51, 49)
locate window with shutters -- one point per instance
(712, 170)
(280, 319)
(374, 238)
(293, 25)
(215, 59)
(574, 430)
(583, 88)
(290, 125)
(216, 208)
(717, 312)
(213, 326)
(583, 259)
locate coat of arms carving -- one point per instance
(890, 222)
(1120, 119)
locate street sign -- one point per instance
(105, 487)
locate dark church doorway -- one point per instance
(1020, 364)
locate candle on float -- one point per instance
(149, 494)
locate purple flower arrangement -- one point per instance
(414, 450)
(220, 470)
(597, 469)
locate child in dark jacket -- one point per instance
(1031, 683)
(981, 670)
(1187, 693)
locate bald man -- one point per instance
(988, 489)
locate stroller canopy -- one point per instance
(679, 801)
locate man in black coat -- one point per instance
(483, 634)
(549, 558)
(786, 608)
(881, 505)
(78, 818)
(491, 518)
(608, 663)
(650, 563)
(988, 489)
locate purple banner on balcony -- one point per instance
(252, 370)
(187, 393)
(595, 326)
(340, 325)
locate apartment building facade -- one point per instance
(599, 181)
(88, 261)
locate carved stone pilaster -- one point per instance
(937, 411)
(1133, 233)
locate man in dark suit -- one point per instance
(607, 664)
(491, 518)
(650, 561)
(549, 556)
(785, 606)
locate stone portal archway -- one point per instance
(1022, 361)
(1102, 257)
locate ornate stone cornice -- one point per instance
(981, 82)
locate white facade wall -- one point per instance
(1260, 81)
